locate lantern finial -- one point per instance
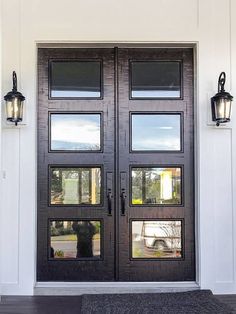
(14, 81)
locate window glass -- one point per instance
(75, 79)
(75, 131)
(156, 186)
(81, 186)
(156, 132)
(156, 239)
(155, 79)
(75, 239)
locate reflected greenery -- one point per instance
(156, 186)
(75, 239)
(75, 185)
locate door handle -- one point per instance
(109, 202)
(123, 197)
(109, 192)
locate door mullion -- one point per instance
(116, 162)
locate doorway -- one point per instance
(115, 165)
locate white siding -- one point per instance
(207, 23)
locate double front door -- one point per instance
(115, 165)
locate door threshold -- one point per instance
(79, 288)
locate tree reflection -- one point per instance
(156, 186)
(75, 185)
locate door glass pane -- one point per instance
(75, 186)
(156, 239)
(156, 186)
(155, 79)
(75, 239)
(75, 131)
(75, 79)
(156, 132)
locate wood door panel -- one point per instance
(157, 269)
(57, 269)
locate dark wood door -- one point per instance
(156, 230)
(75, 164)
(115, 165)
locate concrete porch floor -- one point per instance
(63, 304)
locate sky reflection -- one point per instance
(75, 131)
(156, 132)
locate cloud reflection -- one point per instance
(155, 132)
(75, 131)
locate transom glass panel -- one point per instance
(155, 79)
(75, 79)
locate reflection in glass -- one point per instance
(75, 186)
(156, 239)
(155, 79)
(156, 186)
(72, 79)
(75, 131)
(75, 239)
(156, 132)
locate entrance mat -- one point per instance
(199, 302)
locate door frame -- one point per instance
(55, 288)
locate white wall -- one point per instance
(207, 23)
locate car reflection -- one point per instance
(156, 239)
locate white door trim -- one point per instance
(78, 288)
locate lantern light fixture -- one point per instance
(14, 103)
(221, 102)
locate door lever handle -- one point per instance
(123, 197)
(109, 202)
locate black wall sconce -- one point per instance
(14, 103)
(221, 103)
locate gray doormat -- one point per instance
(199, 302)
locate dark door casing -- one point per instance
(129, 249)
